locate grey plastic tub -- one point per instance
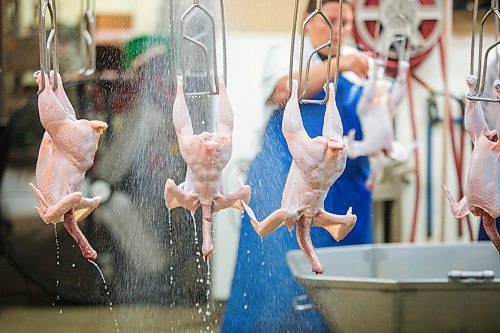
(404, 287)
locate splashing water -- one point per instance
(110, 302)
(58, 266)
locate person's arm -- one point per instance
(355, 62)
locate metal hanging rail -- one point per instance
(48, 44)
(482, 61)
(87, 38)
(211, 79)
(317, 11)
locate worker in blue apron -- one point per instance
(263, 287)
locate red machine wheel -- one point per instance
(423, 18)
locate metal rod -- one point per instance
(292, 47)
(87, 38)
(473, 36)
(497, 29)
(338, 46)
(224, 51)
(172, 39)
(48, 45)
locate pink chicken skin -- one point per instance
(376, 111)
(66, 153)
(206, 155)
(482, 191)
(317, 163)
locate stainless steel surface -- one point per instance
(404, 287)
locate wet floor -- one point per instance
(144, 319)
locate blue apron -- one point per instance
(482, 235)
(263, 287)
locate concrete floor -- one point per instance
(144, 319)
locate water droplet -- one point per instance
(245, 306)
(248, 251)
(60, 311)
(73, 265)
(244, 294)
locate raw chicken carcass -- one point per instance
(66, 153)
(317, 164)
(482, 191)
(205, 154)
(376, 110)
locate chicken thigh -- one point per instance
(482, 191)
(66, 153)
(376, 110)
(317, 163)
(206, 155)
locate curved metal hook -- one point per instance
(48, 45)
(318, 11)
(87, 38)
(213, 85)
(482, 67)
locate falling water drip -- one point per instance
(57, 263)
(110, 303)
(57, 245)
(170, 231)
(208, 312)
(194, 227)
(262, 250)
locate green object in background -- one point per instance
(137, 46)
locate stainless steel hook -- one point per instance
(210, 69)
(318, 11)
(482, 57)
(87, 38)
(48, 44)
